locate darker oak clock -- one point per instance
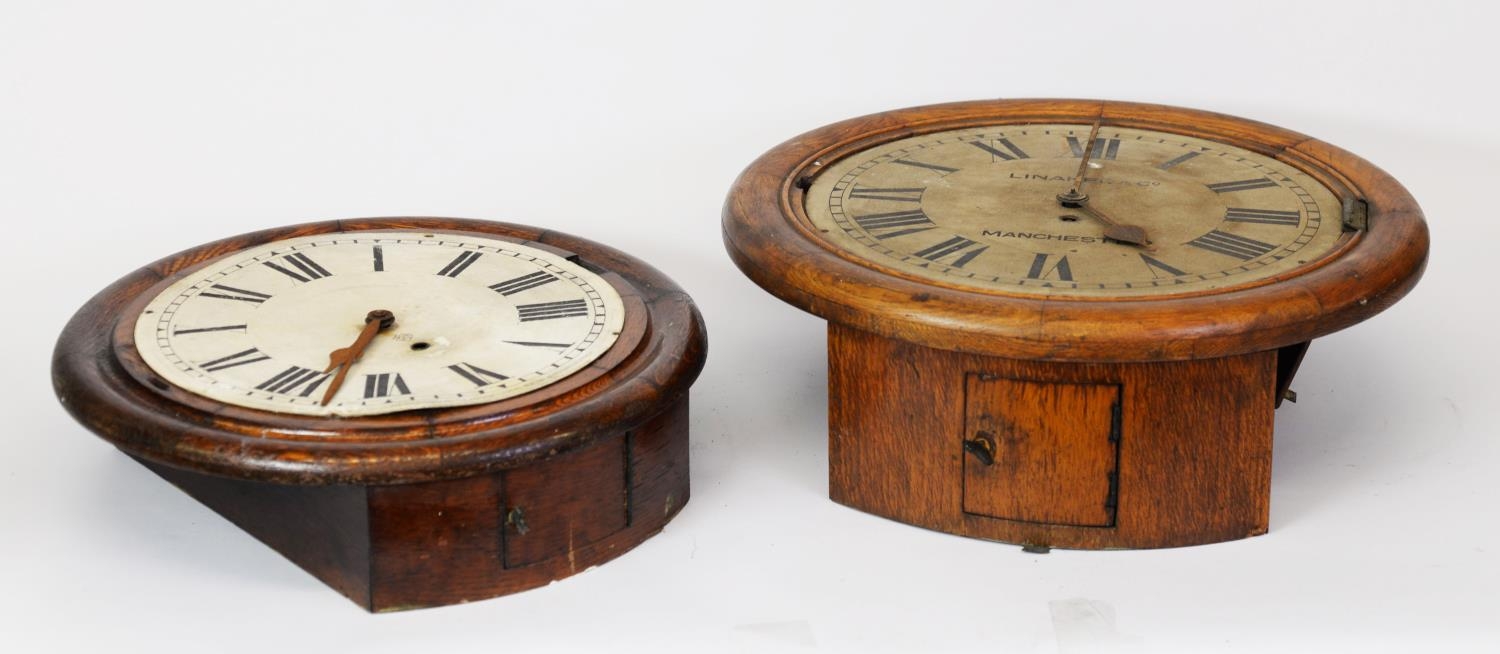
(1063, 322)
(418, 411)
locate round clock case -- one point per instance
(430, 506)
(1044, 416)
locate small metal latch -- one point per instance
(518, 520)
(982, 446)
(1289, 395)
(1356, 214)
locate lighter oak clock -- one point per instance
(418, 411)
(1067, 323)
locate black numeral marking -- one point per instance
(934, 167)
(459, 263)
(307, 269)
(915, 220)
(892, 194)
(1228, 244)
(1241, 185)
(251, 355)
(1179, 160)
(1153, 265)
(378, 254)
(552, 310)
(1103, 148)
(232, 293)
(381, 385)
(558, 346)
(1040, 269)
(476, 374)
(523, 283)
(199, 330)
(1003, 149)
(293, 379)
(952, 246)
(1263, 216)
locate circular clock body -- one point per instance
(1067, 323)
(418, 411)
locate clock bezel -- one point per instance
(623, 344)
(771, 239)
(103, 381)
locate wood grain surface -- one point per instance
(1194, 444)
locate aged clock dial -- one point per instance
(980, 207)
(474, 320)
(1068, 322)
(417, 411)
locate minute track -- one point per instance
(975, 226)
(258, 335)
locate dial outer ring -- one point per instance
(764, 231)
(102, 382)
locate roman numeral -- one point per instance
(251, 355)
(459, 263)
(293, 378)
(232, 293)
(1225, 243)
(310, 269)
(552, 310)
(523, 283)
(952, 246)
(1241, 185)
(557, 346)
(1005, 150)
(1103, 148)
(1155, 265)
(1263, 216)
(199, 330)
(1040, 270)
(1179, 160)
(476, 374)
(917, 164)
(893, 220)
(378, 254)
(382, 384)
(892, 194)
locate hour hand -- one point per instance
(1114, 230)
(344, 357)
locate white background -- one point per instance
(130, 130)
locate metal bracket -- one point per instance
(1356, 214)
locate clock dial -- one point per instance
(1163, 214)
(476, 320)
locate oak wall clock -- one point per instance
(1067, 323)
(418, 411)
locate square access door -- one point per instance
(1041, 452)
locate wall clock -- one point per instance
(1067, 323)
(418, 411)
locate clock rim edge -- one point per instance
(1378, 267)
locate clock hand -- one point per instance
(1074, 198)
(344, 357)
(1115, 231)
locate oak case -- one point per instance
(426, 507)
(1055, 421)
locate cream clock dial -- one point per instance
(472, 320)
(979, 207)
